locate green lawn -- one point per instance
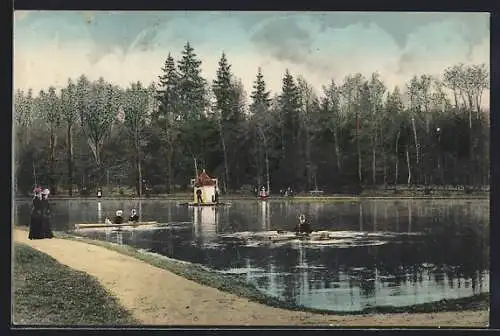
(46, 292)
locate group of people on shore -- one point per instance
(39, 227)
(134, 218)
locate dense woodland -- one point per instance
(355, 133)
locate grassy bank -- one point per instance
(235, 285)
(46, 292)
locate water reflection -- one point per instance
(438, 249)
(205, 224)
(265, 216)
(114, 236)
(99, 212)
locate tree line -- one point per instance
(355, 133)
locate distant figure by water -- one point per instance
(199, 199)
(40, 215)
(133, 216)
(118, 217)
(303, 226)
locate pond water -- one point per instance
(417, 251)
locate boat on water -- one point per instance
(196, 204)
(263, 194)
(104, 225)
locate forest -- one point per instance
(153, 138)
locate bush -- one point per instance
(247, 189)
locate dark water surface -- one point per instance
(419, 251)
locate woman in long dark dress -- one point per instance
(46, 229)
(35, 231)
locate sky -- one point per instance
(124, 47)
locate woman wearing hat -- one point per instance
(133, 216)
(46, 230)
(118, 217)
(303, 226)
(35, 231)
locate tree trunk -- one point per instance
(98, 165)
(384, 160)
(417, 146)
(396, 168)
(195, 166)
(337, 150)
(374, 164)
(408, 164)
(308, 160)
(138, 166)
(268, 182)
(226, 173)
(53, 141)
(169, 170)
(360, 177)
(69, 145)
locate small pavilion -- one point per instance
(207, 185)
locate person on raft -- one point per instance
(118, 217)
(133, 216)
(199, 199)
(303, 226)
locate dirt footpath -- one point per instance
(159, 297)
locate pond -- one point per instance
(417, 251)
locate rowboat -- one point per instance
(194, 204)
(103, 225)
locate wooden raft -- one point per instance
(103, 225)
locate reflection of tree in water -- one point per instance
(365, 279)
(457, 237)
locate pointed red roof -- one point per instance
(204, 180)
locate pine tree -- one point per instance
(260, 96)
(223, 90)
(192, 86)
(168, 112)
(168, 94)
(289, 105)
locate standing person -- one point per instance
(199, 199)
(35, 231)
(46, 229)
(217, 195)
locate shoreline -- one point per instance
(229, 198)
(232, 284)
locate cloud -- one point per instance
(133, 46)
(20, 15)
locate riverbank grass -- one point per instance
(45, 292)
